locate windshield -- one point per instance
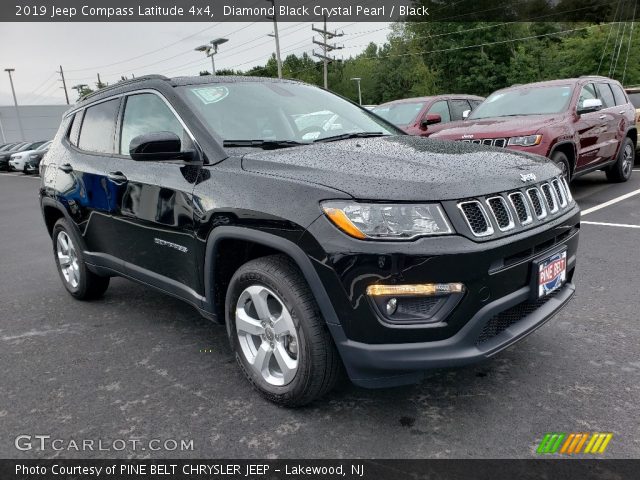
(524, 101)
(635, 99)
(44, 146)
(278, 111)
(402, 113)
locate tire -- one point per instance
(312, 362)
(621, 170)
(79, 281)
(562, 161)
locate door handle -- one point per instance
(66, 168)
(621, 112)
(602, 117)
(117, 177)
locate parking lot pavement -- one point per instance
(140, 365)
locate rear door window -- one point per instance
(98, 127)
(618, 94)
(605, 94)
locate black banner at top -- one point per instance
(315, 10)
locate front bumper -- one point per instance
(498, 277)
(388, 365)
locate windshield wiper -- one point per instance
(346, 136)
(265, 144)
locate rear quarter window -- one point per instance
(98, 127)
(74, 131)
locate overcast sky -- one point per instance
(36, 50)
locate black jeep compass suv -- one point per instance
(319, 234)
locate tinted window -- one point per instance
(75, 129)
(587, 92)
(618, 94)
(98, 126)
(440, 108)
(147, 113)
(604, 93)
(457, 107)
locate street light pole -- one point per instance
(276, 36)
(15, 101)
(357, 79)
(211, 50)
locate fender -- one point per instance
(277, 243)
(51, 202)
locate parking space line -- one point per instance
(606, 224)
(610, 202)
(17, 175)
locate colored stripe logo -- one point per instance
(572, 443)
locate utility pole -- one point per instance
(15, 101)
(326, 48)
(275, 35)
(357, 79)
(64, 84)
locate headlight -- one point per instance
(526, 141)
(387, 221)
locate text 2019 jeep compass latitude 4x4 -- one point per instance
(362, 248)
(583, 124)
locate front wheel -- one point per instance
(621, 170)
(562, 161)
(79, 281)
(277, 333)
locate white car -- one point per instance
(17, 160)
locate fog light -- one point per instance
(423, 289)
(392, 305)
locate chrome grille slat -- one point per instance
(560, 195)
(501, 213)
(550, 197)
(476, 217)
(521, 207)
(535, 197)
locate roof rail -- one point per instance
(121, 84)
(593, 76)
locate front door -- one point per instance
(153, 217)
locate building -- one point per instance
(39, 122)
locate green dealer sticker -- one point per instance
(211, 94)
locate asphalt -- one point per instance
(138, 365)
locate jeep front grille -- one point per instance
(514, 210)
(476, 217)
(494, 142)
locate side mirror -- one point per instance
(430, 119)
(465, 114)
(158, 146)
(590, 105)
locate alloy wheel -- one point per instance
(68, 259)
(627, 160)
(267, 335)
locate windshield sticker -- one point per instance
(209, 95)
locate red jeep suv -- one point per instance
(424, 116)
(583, 124)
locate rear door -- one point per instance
(611, 137)
(81, 183)
(592, 129)
(153, 225)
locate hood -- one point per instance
(402, 167)
(498, 127)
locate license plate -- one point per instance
(552, 273)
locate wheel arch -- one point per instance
(569, 149)
(52, 211)
(632, 133)
(265, 244)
